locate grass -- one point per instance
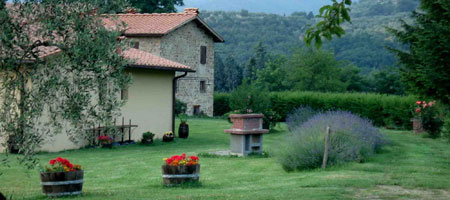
(411, 167)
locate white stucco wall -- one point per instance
(149, 102)
(149, 106)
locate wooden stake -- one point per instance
(325, 153)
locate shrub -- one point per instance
(352, 138)
(180, 107)
(390, 111)
(248, 98)
(299, 116)
(221, 104)
(446, 129)
(147, 137)
(429, 115)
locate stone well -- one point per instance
(246, 133)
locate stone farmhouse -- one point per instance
(173, 53)
(184, 38)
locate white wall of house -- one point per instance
(149, 103)
(149, 106)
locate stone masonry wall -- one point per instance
(183, 46)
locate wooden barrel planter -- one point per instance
(55, 184)
(183, 130)
(181, 174)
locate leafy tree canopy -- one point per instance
(156, 6)
(75, 87)
(426, 63)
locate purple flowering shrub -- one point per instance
(352, 138)
(300, 115)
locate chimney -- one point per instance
(191, 10)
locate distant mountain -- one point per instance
(266, 6)
(363, 45)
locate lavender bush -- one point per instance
(352, 138)
(300, 115)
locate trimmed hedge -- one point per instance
(390, 111)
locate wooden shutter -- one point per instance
(203, 55)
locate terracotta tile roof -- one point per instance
(156, 23)
(143, 59)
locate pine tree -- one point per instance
(426, 63)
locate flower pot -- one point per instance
(56, 184)
(168, 138)
(107, 145)
(173, 175)
(183, 130)
(417, 126)
(147, 141)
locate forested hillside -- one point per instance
(363, 45)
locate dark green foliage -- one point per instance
(309, 70)
(432, 121)
(229, 75)
(363, 45)
(384, 110)
(147, 137)
(248, 98)
(221, 104)
(273, 76)
(75, 89)
(426, 62)
(156, 6)
(446, 128)
(388, 81)
(180, 107)
(332, 16)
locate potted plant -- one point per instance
(61, 178)
(105, 141)
(179, 169)
(183, 129)
(168, 136)
(147, 137)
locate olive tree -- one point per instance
(60, 72)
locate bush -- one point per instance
(446, 129)
(390, 111)
(384, 110)
(248, 99)
(352, 138)
(221, 104)
(429, 114)
(180, 107)
(299, 116)
(147, 137)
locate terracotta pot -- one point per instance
(56, 184)
(180, 174)
(183, 130)
(417, 126)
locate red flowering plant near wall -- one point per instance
(61, 165)
(104, 139)
(180, 160)
(429, 116)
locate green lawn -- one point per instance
(411, 167)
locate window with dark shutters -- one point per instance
(203, 55)
(197, 110)
(202, 86)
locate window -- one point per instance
(203, 55)
(124, 94)
(136, 45)
(197, 110)
(202, 86)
